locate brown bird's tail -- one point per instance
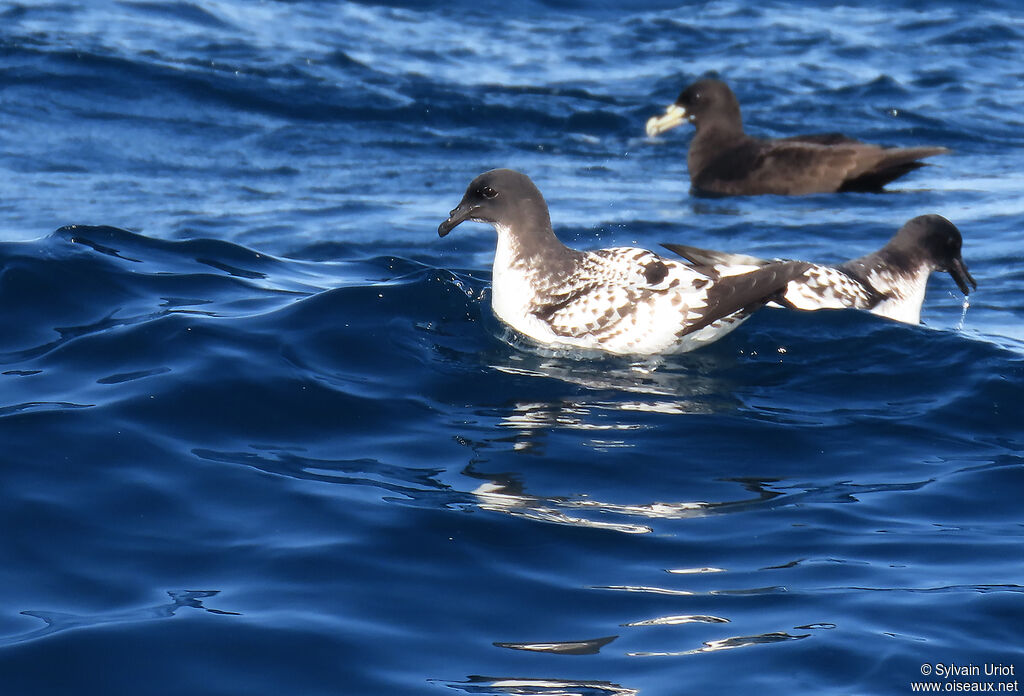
(890, 164)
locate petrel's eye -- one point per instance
(488, 192)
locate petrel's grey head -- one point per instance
(933, 240)
(705, 101)
(500, 197)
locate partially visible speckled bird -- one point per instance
(889, 282)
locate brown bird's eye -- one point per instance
(488, 192)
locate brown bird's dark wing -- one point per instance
(821, 139)
(877, 166)
(778, 167)
(805, 164)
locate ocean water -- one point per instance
(260, 433)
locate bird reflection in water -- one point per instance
(616, 394)
(506, 493)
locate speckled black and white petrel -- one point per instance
(724, 160)
(889, 282)
(623, 300)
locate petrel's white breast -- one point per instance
(514, 288)
(904, 293)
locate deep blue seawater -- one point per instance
(260, 433)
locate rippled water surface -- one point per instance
(261, 433)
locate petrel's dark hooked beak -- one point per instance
(455, 218)
(958, 269)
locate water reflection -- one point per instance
(506, 493)
(591, 646)
(727, 644)
(57, 622)
(658, 378)
(407, 482)
(605, 397)
(648, 589)
(539, 687)
(677, 620)
(532, 422)
(613, 388)
(497, 497)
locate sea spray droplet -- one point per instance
(963, 313)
